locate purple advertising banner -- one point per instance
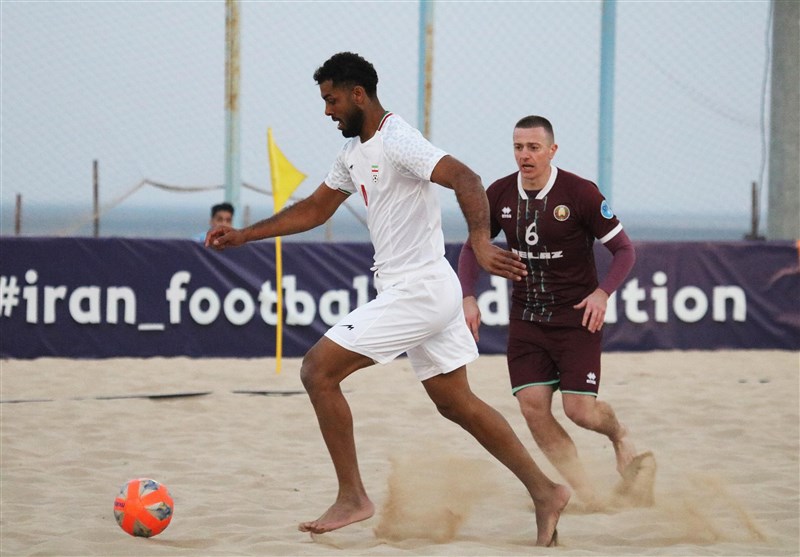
(102, 298)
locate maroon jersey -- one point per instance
(553, 230)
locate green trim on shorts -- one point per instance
(581, 393)
(515, 390)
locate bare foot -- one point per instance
(624, 450)
(547, 515)
(636, 489)
(340, 514)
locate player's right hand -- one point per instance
(223, 236)
(472, 314)
(499, 261)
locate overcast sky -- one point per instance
(139, 86)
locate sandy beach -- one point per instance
(242, 456)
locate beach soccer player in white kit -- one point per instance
(418, 308)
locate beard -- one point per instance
(353, 123)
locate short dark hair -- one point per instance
(537, 122)
(221, 207)
(348, 68)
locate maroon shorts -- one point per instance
(568, 358)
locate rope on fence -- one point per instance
(91, 216)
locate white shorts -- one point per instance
(418, 313)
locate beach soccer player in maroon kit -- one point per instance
(551, 219)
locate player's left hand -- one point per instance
(500, 262)
(594, 310)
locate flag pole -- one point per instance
(279, 301)
(285, 179)
(233, 172)
(425, 67)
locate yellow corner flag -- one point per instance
(285, 179)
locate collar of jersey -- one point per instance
(542, 192)
(383, 119)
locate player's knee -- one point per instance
(447, 410)
(580, 415)
(307, 375)
(317, 374)
(535, 413)
(457, 411)
(311, 373)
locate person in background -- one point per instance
(551, 218)
(221, 214)
(393, 169)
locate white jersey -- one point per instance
(391, 173)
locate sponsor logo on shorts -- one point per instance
(591, 378)
(349, 327)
